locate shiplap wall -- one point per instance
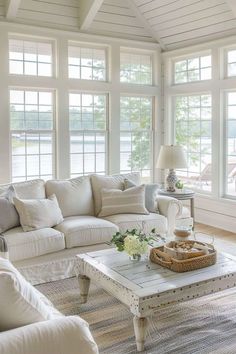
(116, 18)
(181, 23)
(2, 9)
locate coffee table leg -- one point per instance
(84, 283)
(140, 331)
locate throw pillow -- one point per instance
(34, 189)
(151, 192)
(109, 182)
(9, 217)
(20, 303)
(74, 196)
(38, 213)
(130, 201)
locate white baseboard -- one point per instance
(221, 221)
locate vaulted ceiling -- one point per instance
(171, 23)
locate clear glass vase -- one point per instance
(135, 257)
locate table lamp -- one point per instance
(171, 157)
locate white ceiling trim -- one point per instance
(232, 5)
(145, 23)
(12, 7)
(88, 11)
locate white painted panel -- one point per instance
(159, 24)
(47, 18)
(104, 26)
(205, 22)
(218, 28)
(2, 10)
(115, 10)
(175, 9)
(73, 3)
(55, 9)
(155, 4)
(117, 19)
(117, 3)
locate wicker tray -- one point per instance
(157, 255)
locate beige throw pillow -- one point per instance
(130, 201)
(38, 213)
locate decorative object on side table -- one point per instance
(133, 242)
(171, 157)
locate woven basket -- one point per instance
(180, 255)
(157, 255)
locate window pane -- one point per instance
(136, 68)
(87, 63)
(30, 58)
(193, 132)
(34, 149)
(193, 69)
(230, 172)
(136, 136)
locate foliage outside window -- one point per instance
(30, 58)
(88, 124)
(230, 175)
(32, 124)
(193, 69)
(136, 68)
(136, 135)
(193, 131)
(231, 62)
(87, 63)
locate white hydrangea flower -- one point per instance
(132, 245)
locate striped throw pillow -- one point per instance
(130, 201)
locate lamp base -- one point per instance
(171, 180)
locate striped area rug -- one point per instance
(202, 326)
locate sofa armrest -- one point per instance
(62, 335)
(171, 208)
(3, 247)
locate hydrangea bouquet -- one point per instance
(133, 242)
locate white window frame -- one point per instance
(91, 46)
(39, 131)
(95, 131)
(187, 57)
(225, 62)
(36, 40)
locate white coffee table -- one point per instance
(144, 286)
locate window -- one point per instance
(30, 58)
(230, 176)
(136, 68)
(192, 69)
(88, 124)
(136, 135)
(193, 132)
(231, 62)
(87, 63)
(32, 124)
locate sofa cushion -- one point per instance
(22, 245)
(38, 214)
(34, 189)
(109, 182)
(74, 196)
(140, 222)
(86, 230)
(20, 303)
(9, 217)
(131, 201)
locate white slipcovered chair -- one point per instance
(29, 324)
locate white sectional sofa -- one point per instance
(48, 254)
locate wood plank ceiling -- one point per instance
(172, 23)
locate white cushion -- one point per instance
(20, 303)
(131, 201)
(86, 230)
(140, 222)
(34, 189)
(109, 182)
(74, 196)
(23, 245)
(37, 214)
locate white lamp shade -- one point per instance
(172, 157)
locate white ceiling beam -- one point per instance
(12, 7)
(232, 5)
(88, 11)
(145, 23)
